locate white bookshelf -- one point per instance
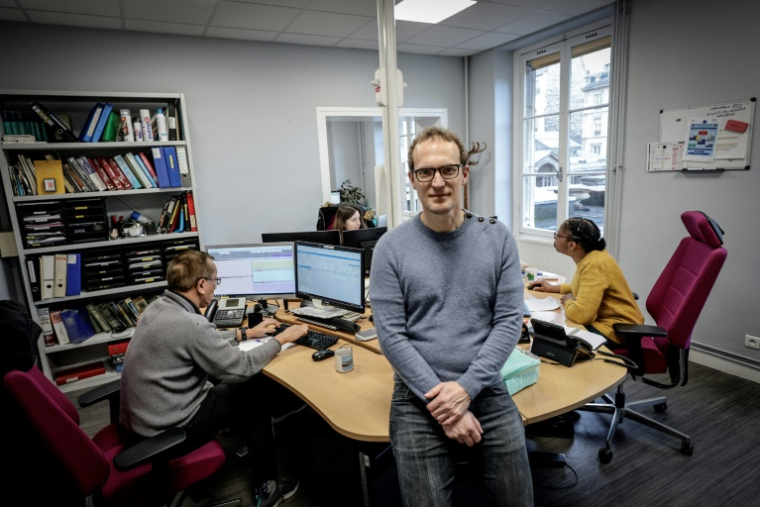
(76, 106)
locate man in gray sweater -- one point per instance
(447, 296)
(175, 349)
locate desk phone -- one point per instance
(230, 312)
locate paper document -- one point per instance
(322, 312)
(542, 305)
(258, 342)
(253, 343)
(593, 339)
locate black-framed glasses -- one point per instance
(217, 280)
(558, 235)
(428, 173)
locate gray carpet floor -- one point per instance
(720, 412)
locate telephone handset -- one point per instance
(210, 312)
(230, 312)
(550, 340)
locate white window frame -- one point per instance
(433, 115)
(562, 44)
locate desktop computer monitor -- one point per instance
(326, 237)
(332, 274)
(258, 272)
(366, 239)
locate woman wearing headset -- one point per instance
(598, 295)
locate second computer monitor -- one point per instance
(331, 274)
(258, 272)
(365, 239)
(326, 237)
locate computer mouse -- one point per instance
(322, 354)
(534, 286)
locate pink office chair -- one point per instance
(675, 303)
(143, 474)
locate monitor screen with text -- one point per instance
(258, 272)
(331, 274)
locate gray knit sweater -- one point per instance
(447, 306)
(169, 360)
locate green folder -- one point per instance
(111, 130)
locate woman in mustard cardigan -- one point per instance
(598, 295)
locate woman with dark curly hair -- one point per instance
(598, 295)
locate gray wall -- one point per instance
(667, 71)
(252, 107)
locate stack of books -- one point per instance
(178, 214)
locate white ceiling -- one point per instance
(339, 23)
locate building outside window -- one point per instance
(563, 88)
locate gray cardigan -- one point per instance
(169, 360)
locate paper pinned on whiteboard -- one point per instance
(701, 139)
(664, 156)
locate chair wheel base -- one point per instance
(605, 455)
(687, 448)
(661, 408)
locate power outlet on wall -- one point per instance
(752, 342)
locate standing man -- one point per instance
(175, 349)
(447, 299)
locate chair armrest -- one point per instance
(634, 330)
(107, 391)
(150, 450)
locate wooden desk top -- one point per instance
(357, 404)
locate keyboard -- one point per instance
(351, 316)
(526, 311)
(311, 339)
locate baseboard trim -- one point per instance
(727, 362)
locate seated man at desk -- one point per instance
(447, 300)
(598, 296)
(175, 350)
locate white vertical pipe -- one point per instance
(386, 31)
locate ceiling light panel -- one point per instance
(430, 11)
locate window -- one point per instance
(560, 148)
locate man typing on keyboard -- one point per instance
(174, 352)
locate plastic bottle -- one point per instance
(147, 127)
(138, 130)
(138, 217)
(163, 133)
(126, 125)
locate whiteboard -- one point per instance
(733, 148)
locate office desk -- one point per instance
(357, 404)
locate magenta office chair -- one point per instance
(103, 467)
(675, 302)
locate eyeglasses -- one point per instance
(558, 235)
(217, 280)
(428, 173)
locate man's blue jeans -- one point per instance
(426, 458)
